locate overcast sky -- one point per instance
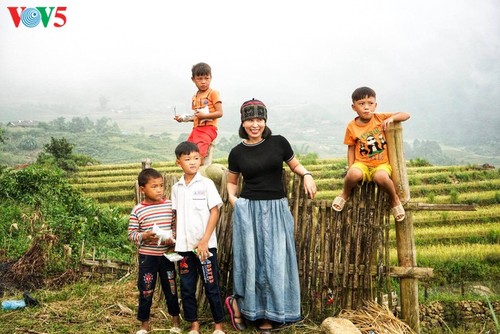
(413, 53)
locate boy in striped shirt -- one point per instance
(153, 211)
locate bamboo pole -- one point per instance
(407, 255)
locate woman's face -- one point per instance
(254, 127)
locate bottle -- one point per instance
(208, 275)
(13, 304)
(206, 267)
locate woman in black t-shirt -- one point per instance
(265, 273)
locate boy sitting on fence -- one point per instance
(367, 157)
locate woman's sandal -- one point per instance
(240, 324)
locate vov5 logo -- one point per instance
(31, 17)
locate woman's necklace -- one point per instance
(253, 141)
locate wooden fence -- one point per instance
(343, 257)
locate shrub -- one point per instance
(308, 159)
(418, 162)
(453, 196)
(41, 200)
(60, 153)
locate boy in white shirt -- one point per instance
(197, 202)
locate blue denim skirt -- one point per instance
(265, 272)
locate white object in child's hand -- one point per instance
(203, 110)
(173, 257)
(163, 235)
(187, 117)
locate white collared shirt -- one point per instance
(193, 203)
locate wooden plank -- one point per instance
(414, 206)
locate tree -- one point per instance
(225, 144)
(59, 148)
(2, 135)
(28, 143)
(103, 102)
(60, 153)
(59, 124)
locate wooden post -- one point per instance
(407, 255)
(394, 137)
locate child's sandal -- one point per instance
(399, 212)
(338, 203)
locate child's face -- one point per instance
(153, 190)
(365, 107)
(190, 163)
(202, 82)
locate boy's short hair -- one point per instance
(147, 174)
(363, 92)
(201, 69)
(186, 147)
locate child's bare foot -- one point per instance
(145, 327)
(176, 324)
(195, 328)
(219, 328)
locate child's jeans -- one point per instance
(190, 268)
(150, 267)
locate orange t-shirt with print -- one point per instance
(205, 100)
(369, 140)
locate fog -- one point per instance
(437, 60)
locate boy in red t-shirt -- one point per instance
(367, 157)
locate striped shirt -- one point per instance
(142, 219)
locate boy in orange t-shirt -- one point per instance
(207, 108)
(367, 157)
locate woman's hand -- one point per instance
(232, 187)
(232, 199)
(310, 186)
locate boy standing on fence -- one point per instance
(196, 203)
(207, 108)
(367, 157)
(154, 212)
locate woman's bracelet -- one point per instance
(306, 174)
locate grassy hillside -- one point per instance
(113, 184)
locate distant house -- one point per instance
(23, 124)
